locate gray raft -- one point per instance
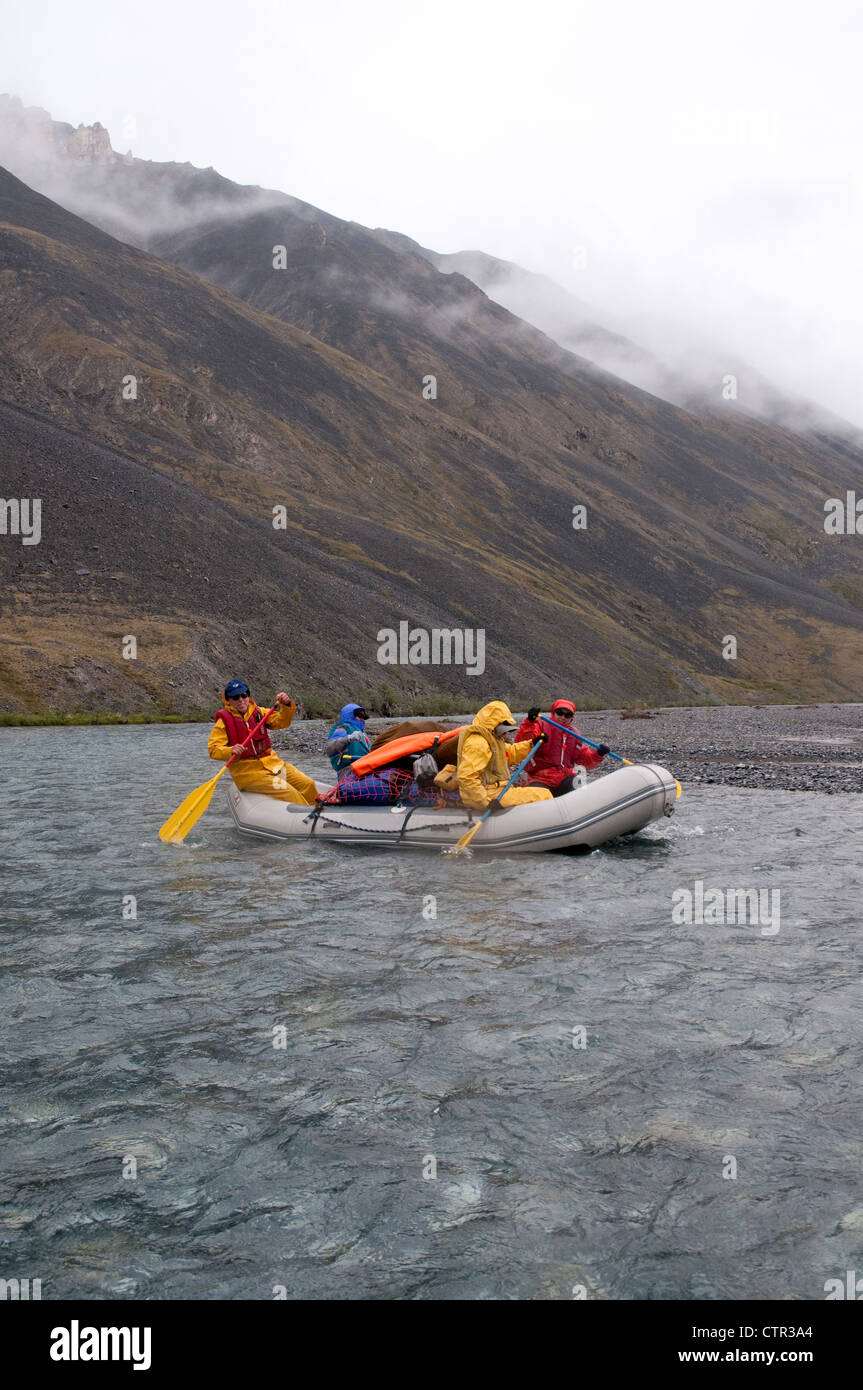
(617, 804)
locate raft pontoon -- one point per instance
(617, 804)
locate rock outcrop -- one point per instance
(31, 130)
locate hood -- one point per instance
(346, 715)
(559, 704)
(492, 714)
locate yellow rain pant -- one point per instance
(517, 796)
(285, 783)
(268, 775)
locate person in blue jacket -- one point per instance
(347, 740)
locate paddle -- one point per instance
(629, 763)
(177, 826)
(461, 847)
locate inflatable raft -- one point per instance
(592, 813)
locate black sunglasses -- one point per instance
(566, 714)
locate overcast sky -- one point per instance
(707, 157)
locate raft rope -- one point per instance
(369, 830)
(411, 810)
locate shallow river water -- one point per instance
(432, 1126)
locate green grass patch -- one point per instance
(849, 587)
(314, 705)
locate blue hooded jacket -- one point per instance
(343, 754)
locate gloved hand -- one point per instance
(541, 738)
(533, 713)
(602, 749)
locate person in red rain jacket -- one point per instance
(554, 764)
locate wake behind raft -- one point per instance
(620, 803)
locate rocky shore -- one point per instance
(789, 747)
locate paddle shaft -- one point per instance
(554, 724)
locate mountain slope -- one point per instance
(539, 301)
(690, 377)
(448, 513)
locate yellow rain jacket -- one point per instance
(485, 763)
(268, 774)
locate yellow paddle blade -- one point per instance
(177, 826)
(461, 847)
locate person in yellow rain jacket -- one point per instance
(487, 758)
(257, 769)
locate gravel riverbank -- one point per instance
(789, 747)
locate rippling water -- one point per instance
(417, 1042)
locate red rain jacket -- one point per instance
(559, 757)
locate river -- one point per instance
(317, 1072)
